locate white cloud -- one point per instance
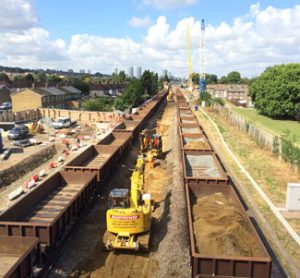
(167, 4)
(139, 21)
(260, 38)
(16, 15)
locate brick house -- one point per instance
(45, 97)
(233, 92)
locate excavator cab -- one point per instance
(119, 198)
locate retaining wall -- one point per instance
(26, 165)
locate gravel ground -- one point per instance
(174, 252)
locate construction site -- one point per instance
(149, 197)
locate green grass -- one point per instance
(277, 127)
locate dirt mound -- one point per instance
(157, 179)
(221, 228)
(197, 145)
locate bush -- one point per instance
(104, 104)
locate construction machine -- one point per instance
(35, 127)
(151, 141)
(170, 96)
(129, 217)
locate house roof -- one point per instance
(71, 90)
(53, 90)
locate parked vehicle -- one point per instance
(62, 123)
(17, 132)
(5, 106)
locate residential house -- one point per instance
(237, 93)
(73, 96)
(98, 90)
(106, 90)
(32, 98)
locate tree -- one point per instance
(195, 78)
(149, 81)
(276, 92)
(166, 78)
(29, 78)
(53, 78)
(4, 77)
(41, 76)
(234, 77)
(119, 77)
(223, 80)
(18, 77)
(98, 104)
(211, 78)
(132, 96)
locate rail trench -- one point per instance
(169, 254)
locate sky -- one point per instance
(245, 36)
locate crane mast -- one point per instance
(189, 56)
(202, 83)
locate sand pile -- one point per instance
(221, 228)
(197, 145)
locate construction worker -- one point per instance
(156, 143)
(150, 160)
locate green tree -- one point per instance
(234, 77)
(276, 92)
(29, 78)
(195, 78)
(53, 78)
(4, 77)
(122, 76)
(41, 76)
(149, 81)
(132, 96)
(98, 104)
(223, 80)
(18, 77)
(211, 78)
(166, 78)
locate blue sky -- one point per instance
(98, 35)
(110, 18)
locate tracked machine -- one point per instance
(129, 217)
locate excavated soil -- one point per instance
(197, 145)
(221, 228)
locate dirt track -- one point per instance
(169, 252)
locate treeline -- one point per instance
(47, 71)
(135, 93)
(233, 77)
(138, 90)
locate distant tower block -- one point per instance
(138, 72)
(130, 72)
(164, 73)
(116, 71)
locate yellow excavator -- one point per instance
(129, 217)
(170, 96)
(151, 141)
